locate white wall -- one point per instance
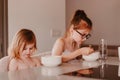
(41, 16)
(105, 15)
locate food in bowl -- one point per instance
(51, 61)
(91, 57)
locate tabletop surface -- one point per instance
(56, 73)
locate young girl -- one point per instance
(21, 49)
(68, 46)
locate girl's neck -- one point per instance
(70, 44)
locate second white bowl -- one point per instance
(91, 57)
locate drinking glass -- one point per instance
(103, 50)
(119, 52)
(119, 70)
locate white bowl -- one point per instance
(51, 61)
(91, 57)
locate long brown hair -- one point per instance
(79, 21)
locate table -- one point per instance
(55, 73)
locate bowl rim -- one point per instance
(96, 52)
(51, 56)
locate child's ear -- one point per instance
(71, 28)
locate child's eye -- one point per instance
(32, 48)
(24, 48)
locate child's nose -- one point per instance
(28, 51)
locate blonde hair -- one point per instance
(21, 38)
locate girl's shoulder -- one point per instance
(59, 46)
(13, 65)
(14, 61)
(60, 40)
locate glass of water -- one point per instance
(103, 49)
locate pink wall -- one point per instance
(105, 15)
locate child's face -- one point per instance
(27, 51)
(80, 35)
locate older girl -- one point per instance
(68, 46)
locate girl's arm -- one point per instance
(74, 54)
(58, 47)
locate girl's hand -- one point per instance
(86, 50)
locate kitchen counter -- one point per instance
(56, 73)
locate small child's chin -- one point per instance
(27, 55)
